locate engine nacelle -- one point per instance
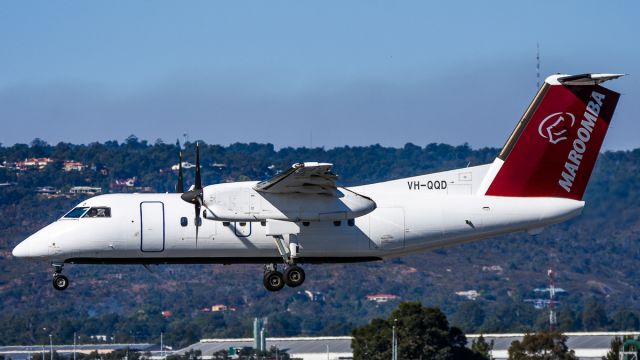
(240, 202)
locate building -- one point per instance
(469, 294)
(587, 346)
(27, 352)
(185, 165)
(219, 307)
(33, 163)
(306, 348)
(86, 190)
(70, 165)
(382, 298)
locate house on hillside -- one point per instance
(33, 163)
(86, 190)
(70, 165)
(469, 294)
(382, 298)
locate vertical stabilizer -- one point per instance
(554, 147)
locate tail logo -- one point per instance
(554, 127)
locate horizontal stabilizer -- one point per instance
(583, 79)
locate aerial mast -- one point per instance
(552, 300)
(538, 65)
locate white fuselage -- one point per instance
(411, 215)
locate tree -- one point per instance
(614, 352)
(568, 320)
(541, 346)
(422, 333)
(469, 316)
(625, 320)
(594, 316)
(480, 346)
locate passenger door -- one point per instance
(152, 231)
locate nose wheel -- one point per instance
(60, 282)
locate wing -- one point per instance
(302, 178)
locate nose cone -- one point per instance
(22, 250)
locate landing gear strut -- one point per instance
(293, 276)
(60, 282)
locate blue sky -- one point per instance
(296, 73)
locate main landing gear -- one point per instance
(60, 282)
(274, 280)
(293, 275)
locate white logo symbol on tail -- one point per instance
(556, 131)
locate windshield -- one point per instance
(98, 212)
(76, 213)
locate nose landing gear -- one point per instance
(60, 282)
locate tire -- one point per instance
(273, 280)
(60, 282)
(294, 276)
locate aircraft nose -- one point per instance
(22, 250)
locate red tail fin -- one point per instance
(554, 147)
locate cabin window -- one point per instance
(226, 223)
(243, 224)
(305, 223)
(263, 223)
(351, 222)
(184, 221)
(337, 223)
(98, 212)
(76, 213)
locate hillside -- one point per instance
(595, 255)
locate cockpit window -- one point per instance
(100, 212)
(76, 213)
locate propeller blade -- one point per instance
(180, 185)
(195, 195)
(197, 220)
(198, 184)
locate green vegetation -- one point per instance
(423, 333)
(595, 255)
(541, 346)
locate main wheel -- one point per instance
(273, 280)
(294, 276)
(60, 282)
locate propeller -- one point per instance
(195, 194)
(180, 184)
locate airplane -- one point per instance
(301, 216)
